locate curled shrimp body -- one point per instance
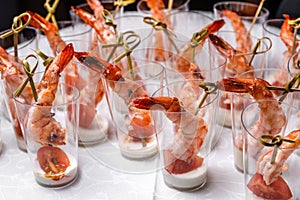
(191, 131)
(97, 8)
(271, 117)
(243, 39)
(43, 126)
(236, 64)
(107, 36)
(286, 35)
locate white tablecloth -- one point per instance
(99, 181)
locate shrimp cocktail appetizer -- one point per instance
(135, 128)
(185, 134)
(50, 125)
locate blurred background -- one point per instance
(12, 8)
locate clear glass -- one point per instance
(94, 118)
(240, 58)
(263, 178)
(187, 134)
(279, 54)
(294, 70)
(246, 12)
(239, 101)
(68, 30)
(10, 81)
(27, 42)
(187, 22)
(52, 149)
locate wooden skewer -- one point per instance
(256, 15)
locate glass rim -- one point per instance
(264, 11)
(190, 11)
(197, 109)
(28, 42)
(75, 97)
(266, 47)
(277, 21)
(186, 2)
(248, 106)
(157, 64)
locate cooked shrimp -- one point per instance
(140, 124)
(286, 35)
(243, 39)
(49, 29)
(236, 64)
(44, 128)
(191, 131)
(97, 8)
(107, 36)
(184, 62)
(271, 117)
(271, 171)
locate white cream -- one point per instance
(135, 150)
(70, 175)
(95, 133)
(186, 181)
(238, 158)
(224, 117)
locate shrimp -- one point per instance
(271, 117)
(286, 35)
(243, 39)
(48, 28)
(268, 175)
(184, 62)
(272, 171)
(107, 36)
(191, 131)
(140, 125)
(97, 8)
(237, 64)
(44, 128)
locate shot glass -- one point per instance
(94, 116)
(271, 164)
(240, 59)
(11, 79)
(187, 134)
(279, 55)
(27, 42)
(246, 12)
(239, 101)
(293, 69)
(52, 148)
(135, 129)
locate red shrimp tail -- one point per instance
(279, 189)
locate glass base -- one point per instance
(21, 144)
(58, 186)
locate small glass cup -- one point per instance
(94, 117)
(246, 12)
(52, 148)
(183, 5)
(240, 59)
(135, 129)
(27, 41)
(271, 163)
(187, 22)
(279, 55)
(187, 134)
(294, 69)
(240, 100)
(10, 81)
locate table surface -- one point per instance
(99, 180)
